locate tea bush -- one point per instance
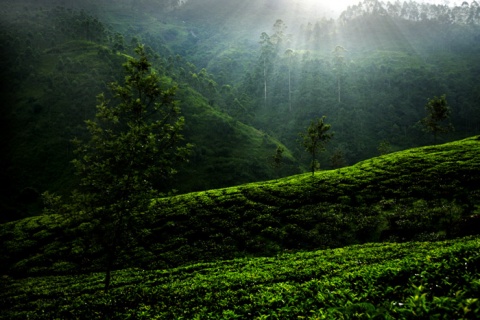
(434, 280)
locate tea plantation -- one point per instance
(393, 237)
(427, 280)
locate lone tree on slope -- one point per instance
(134, 145)
(315, 139)
(277, 160)
(438, 113)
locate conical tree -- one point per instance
(133, 147)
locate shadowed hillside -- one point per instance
(54, 76)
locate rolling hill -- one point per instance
(427, 193)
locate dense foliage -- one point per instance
(438, 113)
(428, 280)
(57, 61)
(315, 140)
(135, 144)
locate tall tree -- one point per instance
(270, 46)
(279, 37)
(315, 139)
(289, 53)
(134, 145)
(267, 51)
(438, 114)
(339, 63)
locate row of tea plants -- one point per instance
(434, 280)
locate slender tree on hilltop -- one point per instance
(133, 147)
(277, 159)
(438, 113)
(315, 139)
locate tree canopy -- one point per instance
(438, 113)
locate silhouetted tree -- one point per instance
(266, 57)
(133, 145)
(289, 53)
(277, 159)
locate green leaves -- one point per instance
(414, 195)
(438, 112)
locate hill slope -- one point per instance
(436, 280)
(53, 79)
(426, 193)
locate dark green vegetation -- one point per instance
(429, 193)
(415, 280)
(135, 144)
(438, 114)
(56, 61)
(315, 140)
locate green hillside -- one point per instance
(58, 55)
(414, 280)
(426, 193)
(58, 60)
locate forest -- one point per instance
(303, 172)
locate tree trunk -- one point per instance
(265, 81)
(339, 88)
(108, 268)
(289, 90)
(313, 162)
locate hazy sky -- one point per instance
(337, 6)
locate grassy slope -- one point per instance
(428, 280)
(226, 151)
(427, 193)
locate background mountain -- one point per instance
(58, 55)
